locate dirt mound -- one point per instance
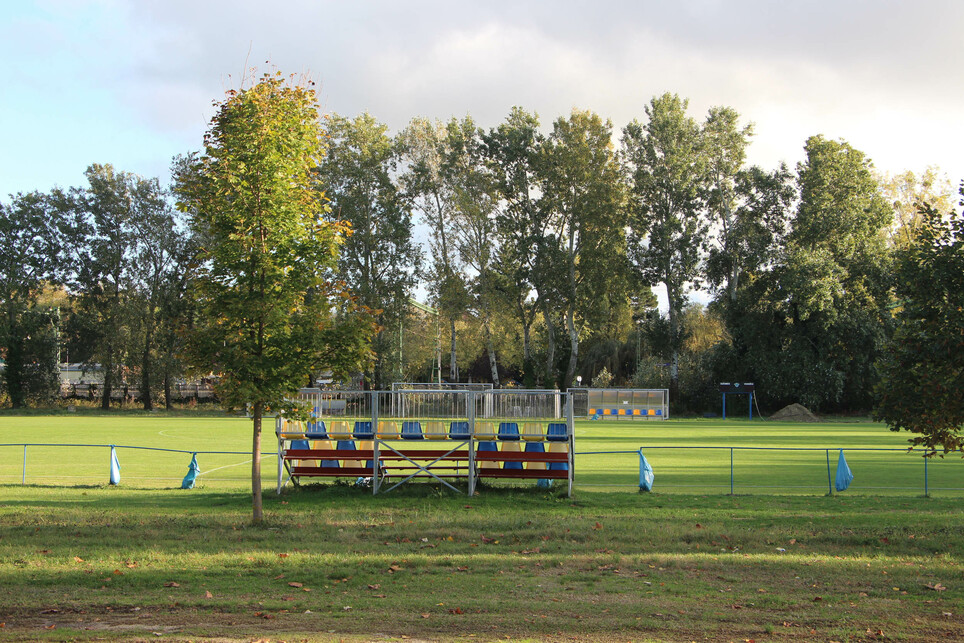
(794, 413)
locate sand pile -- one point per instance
(794, 413)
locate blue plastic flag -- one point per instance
(844, 477)
(192, 471)
(646, 475)
(114, 466)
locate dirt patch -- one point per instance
(795, 413)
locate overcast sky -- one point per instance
(132, 83)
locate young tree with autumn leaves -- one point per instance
(270, 314)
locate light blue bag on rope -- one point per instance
(114, 466)
(192, 471)
(646, 475)
(844, 476)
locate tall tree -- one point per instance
(724, 146)
(267, 318)
(33, 253)
(158, 258)
(105, 278)
(812, 326)
(435, 156)
(379, 259)
(667, 221)
(906, 192)
(514, 150)
(584, 200)
(923, 367)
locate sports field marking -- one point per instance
(227, 466)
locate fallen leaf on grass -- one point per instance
(78, 559)
(283, 555)
(375, 586)
(937, 587)
(462, 569)
(597, 526)
(456, 610)
(295, 584)
(425, 615)
(393, 568)
(172, 584)
(488, 540)
(208, 594)
(817, 598)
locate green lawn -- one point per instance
(688, 456)
(80, 560)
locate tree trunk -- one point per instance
(168, 402)
(673, 341)
(146, 396)
(574, 348)
(733, 282)
(13, 373)
(490, 347)
(257, 512)
(550, 347)
(453, 365)
(108, 370)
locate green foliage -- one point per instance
(583, 202)
(906, 192)
(270, 315)
(922, 370)
(602, 379)
(35, 235)
(379, 258)
(667, 222)
(808, 327)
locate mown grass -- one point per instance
(332, 562)
(84, 561)
(689, 456)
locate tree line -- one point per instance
(539, 248)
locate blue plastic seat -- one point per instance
(299, 444)
(557, 432)
(412, 431)
(363, 430)
(316, 430)
(459, 431)
(487, 446)
(508, 431)
(509, 447)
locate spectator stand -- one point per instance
(393, 437)
(621, 403)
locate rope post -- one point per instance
(829, 479)
(731, 471)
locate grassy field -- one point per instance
(80, 560)
(689, 456)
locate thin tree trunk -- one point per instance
(453, 364)
(146, 396)
(490, 347)
(673, 341)
(108, 370)
(168, 402)
(550, 347)
(257, 511)
(573, 346)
